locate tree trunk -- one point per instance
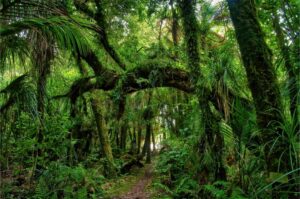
(117, 137)
(147, 115)
(153, 141)
(103, 37)
(43, 68)
(139, 139)
(211, 140)
(43, 54)
(165, 122)
(123, 136)
(260, 73)
(133, 142)
(103, 136)
(175, 28)
(147, 144)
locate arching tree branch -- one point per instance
(149, 76)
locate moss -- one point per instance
(211, 143)
(263, 84)
(103, 136)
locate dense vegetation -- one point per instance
(205, 93)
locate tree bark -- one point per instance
(139, 139)
(211, 139)
(100, 19)
(123, 135)
(147, 116)
(175, 25)
(153, 141)
(105, 146)
(260, 73)
(133, 144)
(147, 148)
(117, 136)
(42, 56)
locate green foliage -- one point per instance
(70, 182)
(288, 140)
(13, 48)
(57, 153)
(21, 146)
(63, 30)
(20, 91)
(174, 167)
(223, 190)
(56, 142)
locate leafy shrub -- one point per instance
(176, 174)
(61, 181)
(223, 190)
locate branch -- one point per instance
(149, 76)
(7, 104)
(82, 7)
(101, 31)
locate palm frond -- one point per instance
(21, 92)
(14, 10)
(14, 85)
(13, 48)
(62, 29)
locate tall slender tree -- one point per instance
(42, 56)
(257, 59)
(103, 135)
(211, 141)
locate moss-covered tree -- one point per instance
(104, 140)
(211, 140)
(257, 59)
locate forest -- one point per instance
(150, 99)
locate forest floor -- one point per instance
(139, 190)
(133, 186)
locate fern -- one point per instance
(224, 190)
(73, 182)
(41, 190)
(164, 188)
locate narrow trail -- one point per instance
(138, 191)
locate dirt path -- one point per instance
(138, 191)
